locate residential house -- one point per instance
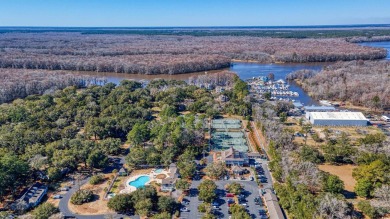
(168, 184)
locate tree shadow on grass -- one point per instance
(95, 197)
(348, 194)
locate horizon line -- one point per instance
(222, 26)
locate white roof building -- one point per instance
(337, 118)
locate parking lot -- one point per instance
(250, 192)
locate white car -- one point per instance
(184, 209)
(57, 197)
(245, 205)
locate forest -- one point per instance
(57, 133)
(304, 191)
(20, 83)
(363, 83)
(156, 54)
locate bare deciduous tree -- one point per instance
(331, 207)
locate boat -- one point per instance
(325, 103)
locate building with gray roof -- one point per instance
(273, 207)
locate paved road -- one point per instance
(193, 202)
(63, 205)
(264, 164)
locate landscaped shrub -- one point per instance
(96, 179)
(81, 197)
(44, 211)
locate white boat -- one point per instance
(325, 103)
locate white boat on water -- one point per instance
(325, 103)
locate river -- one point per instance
(385, 45)
(244, 71)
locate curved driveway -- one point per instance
(63, 206)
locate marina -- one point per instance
(277, 89)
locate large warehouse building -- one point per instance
(337, 118)
(313, 108)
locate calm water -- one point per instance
(249, 70)
(244, 71)
(140, 182)
(385, 45)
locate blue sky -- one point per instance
(135, 13)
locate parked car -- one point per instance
(184, 209)
(229, 195)
(216, 207)
(57, 196)
(230, 201)
(215, 203)
(66, 188)
(245, 205)
(185, 203)
(262, 212)
(258, 201)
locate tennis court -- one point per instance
(228, 133)
(226, 124)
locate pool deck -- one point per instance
(152, 175)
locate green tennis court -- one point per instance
(228, 133)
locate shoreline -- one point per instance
(345, 104)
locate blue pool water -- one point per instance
(140, 181)
(158, 171)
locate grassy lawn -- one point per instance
(344, 172)
(117, 184)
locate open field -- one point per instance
(344, 172)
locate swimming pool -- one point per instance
(158, 170)
(140, 181)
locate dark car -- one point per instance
(258, 201)
(262, 212)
